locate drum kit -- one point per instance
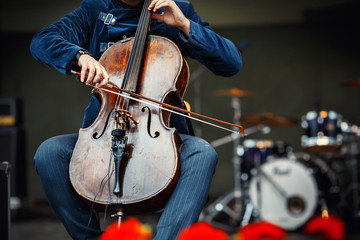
(272, 183)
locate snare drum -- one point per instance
(322, 131)
(286, 191)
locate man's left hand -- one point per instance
(172, 16)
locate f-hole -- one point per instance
(157, 134)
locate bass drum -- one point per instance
(287, 191)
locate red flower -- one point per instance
(131, 229)
(330, 228)
(202, 231)
(261, 230)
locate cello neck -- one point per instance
(134, 65)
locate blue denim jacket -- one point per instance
(98, 23)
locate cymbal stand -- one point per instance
(233, 136)
(354, 187)
(236, 204)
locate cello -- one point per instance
(127, 161)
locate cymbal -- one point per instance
(268, 119)
(233, 92)
(352, 83)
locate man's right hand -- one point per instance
(92, 72)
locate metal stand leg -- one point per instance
(352, 190)
(229, 212)
(234, 209)
(354, 174)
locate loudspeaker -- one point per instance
(12, 143)
(10, 112)
(12, 150)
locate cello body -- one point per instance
(150, 166)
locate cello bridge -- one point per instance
(123, 116)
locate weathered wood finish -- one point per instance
(151, 168)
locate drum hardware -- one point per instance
(248, 131)
(324, 209)
(234, 206)
(352, 162)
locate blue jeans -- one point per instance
(198, 163)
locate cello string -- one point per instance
(135, 58)
(140, 45)
(169, 110)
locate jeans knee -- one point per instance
(212, 153)
(41, 154)
(200, 150)
(211, 157)
(208, 152)
(52, 149)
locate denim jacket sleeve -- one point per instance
(57, 44)
(217, 53)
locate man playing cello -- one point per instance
(77, 41)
